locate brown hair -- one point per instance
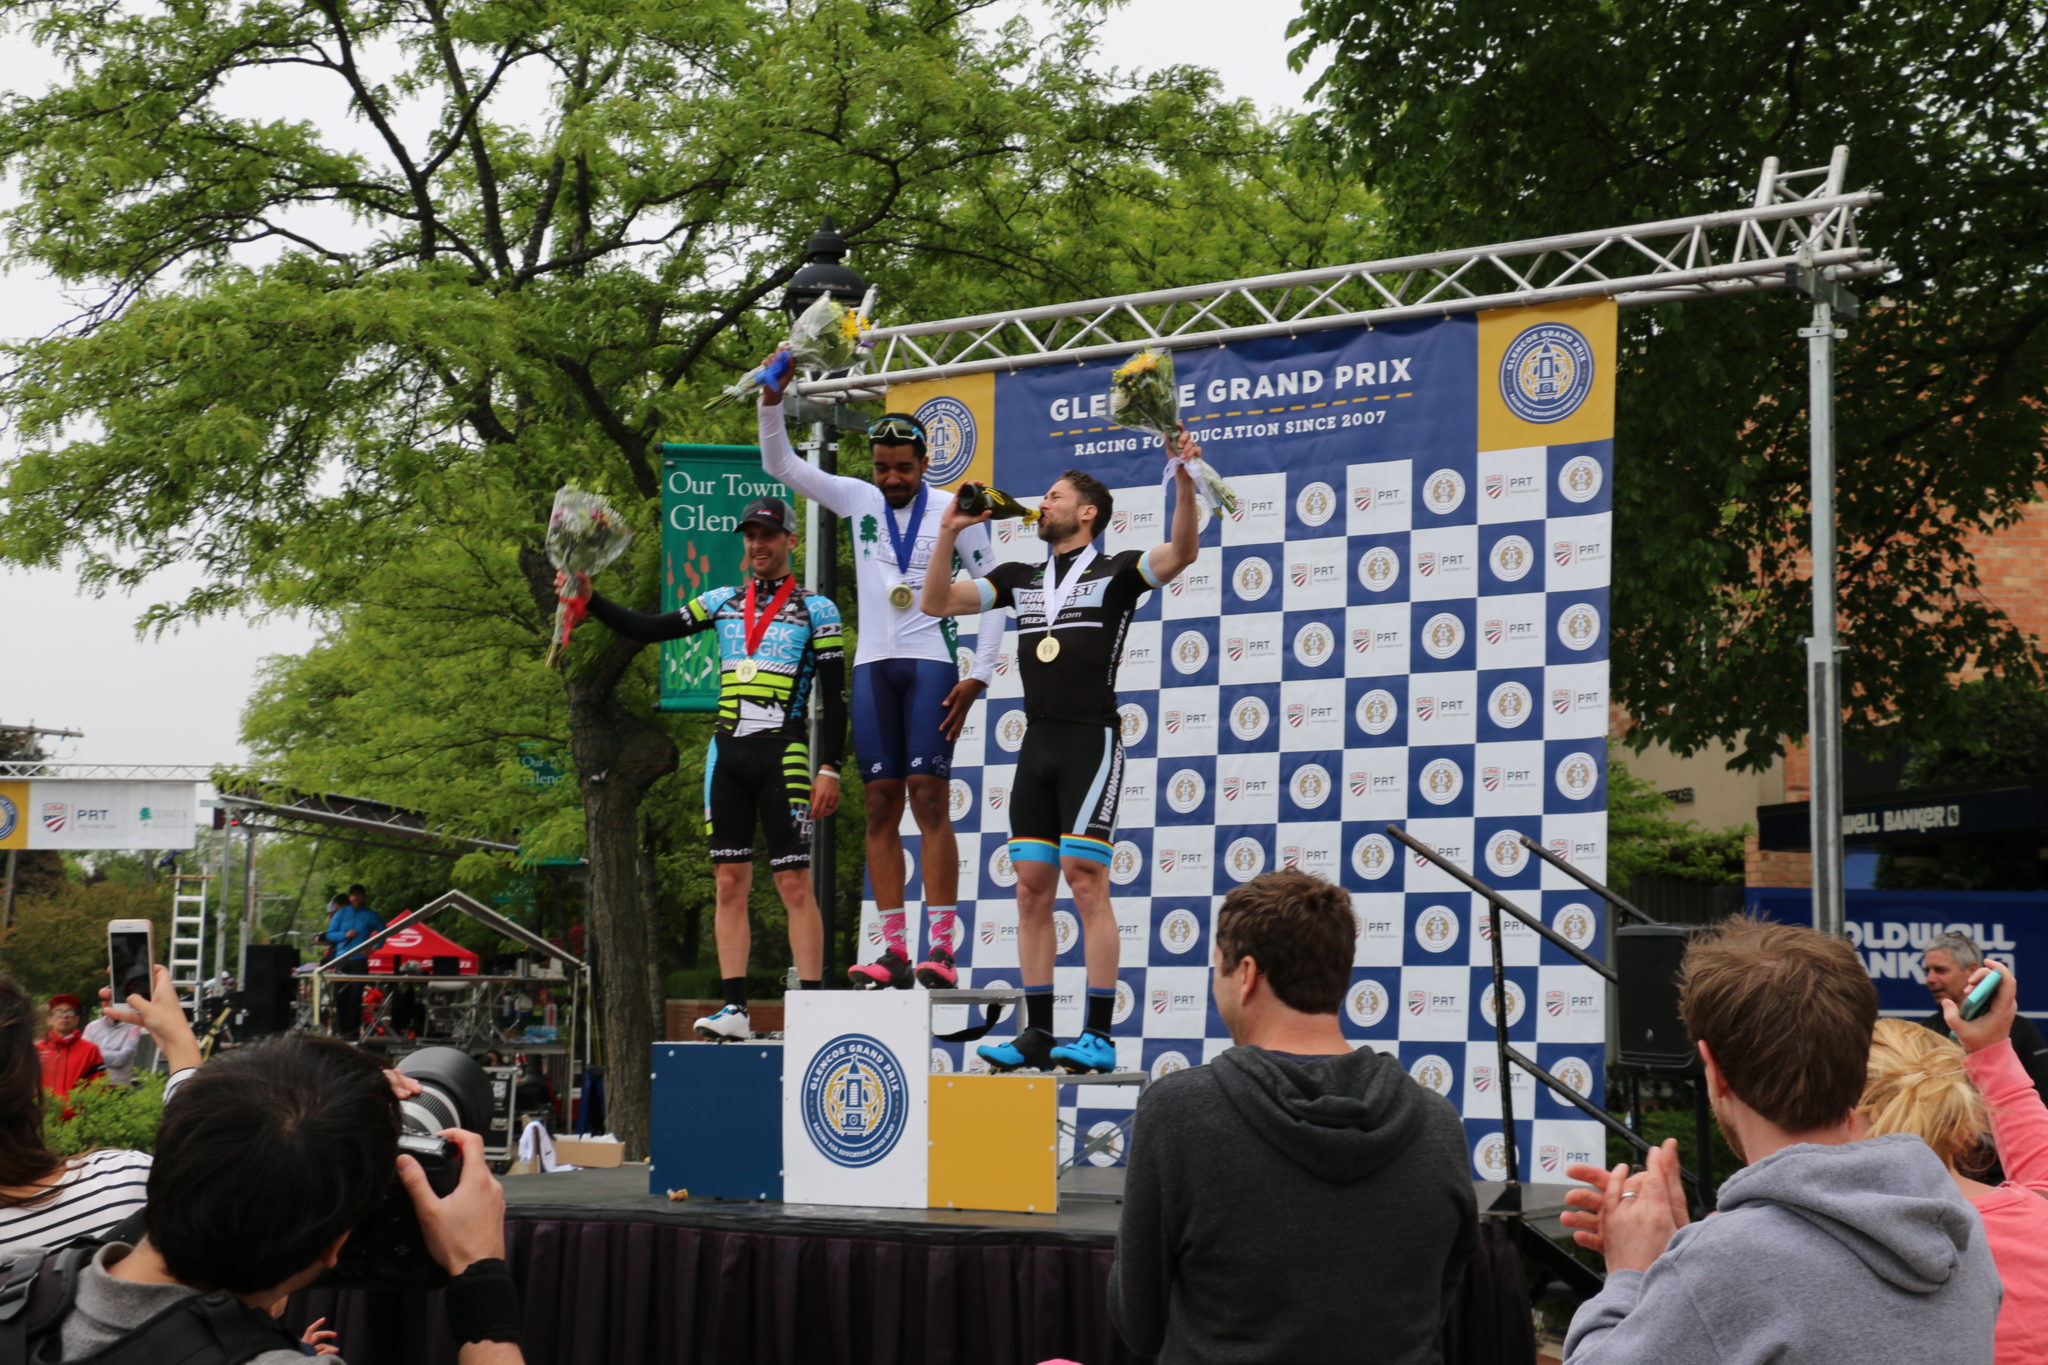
(1787, 1012)
(1917, 1085)
(1095, 493)
(25, 1158)
(1299, 929)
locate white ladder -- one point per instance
(188, 936)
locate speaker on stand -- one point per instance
(268, 989)
(1653, 1039)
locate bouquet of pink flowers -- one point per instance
(584, 535)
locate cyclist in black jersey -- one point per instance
(1072, 613)
(774, 641)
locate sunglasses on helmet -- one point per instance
(895, 429)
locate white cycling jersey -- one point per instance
(888, 631)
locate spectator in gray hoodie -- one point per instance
(1293, 1200)
(1824, 1249)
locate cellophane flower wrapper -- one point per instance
(827, 336)
(584, 536)
(1143, 397)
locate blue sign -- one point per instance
(1890, 929)
(855, 1100)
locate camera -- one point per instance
(387, 1249)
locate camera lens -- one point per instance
(454, 1092)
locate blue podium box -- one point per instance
(717, 1120)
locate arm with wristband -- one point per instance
(465, 1234)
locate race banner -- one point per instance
(1404, 620)
(703, 491)
(54, 812)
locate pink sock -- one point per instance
(941, 920)
(892, 931)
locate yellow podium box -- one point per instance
(995, 1143)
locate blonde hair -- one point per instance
(1917, 1085)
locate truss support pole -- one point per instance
(1823, 653)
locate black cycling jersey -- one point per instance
(1079, 682)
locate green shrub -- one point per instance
(106, 1116)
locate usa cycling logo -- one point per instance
(855, 1101)
(1546, 372)
(9, 817)
(949, 438)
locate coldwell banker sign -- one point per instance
(1405, 619)
(855, 1098)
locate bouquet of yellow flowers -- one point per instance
(584, 535)
(1143, 397)
(827, 335)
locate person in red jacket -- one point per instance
(69, 1057)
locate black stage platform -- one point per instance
(611, 1275)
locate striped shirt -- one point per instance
(95, 1192)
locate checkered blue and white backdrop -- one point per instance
(1405, 620)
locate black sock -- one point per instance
(736, 991)
(817, 985)
(1101, 1004)
(1038, 1008)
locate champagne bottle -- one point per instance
(976, 498)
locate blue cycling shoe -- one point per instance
(1032, 1048)
(1090, 1052)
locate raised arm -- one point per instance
(941, 595)
(779, 460)
(2019, 1121)
(976, 550)
(648, 627)
(1167, 561)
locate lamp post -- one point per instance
(822, 273)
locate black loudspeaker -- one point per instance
(447, 964)
(1646, 962)
(269, 990)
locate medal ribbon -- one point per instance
(1057, 593)
(903, 543)
(758, 628)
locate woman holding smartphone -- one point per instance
(47, 1200)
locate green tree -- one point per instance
(1489, 123)
(1644, 841)
(563, 223)
(58, 941)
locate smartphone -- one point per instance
(1979, 998)
(131, 948)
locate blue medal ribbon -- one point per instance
(905, 542)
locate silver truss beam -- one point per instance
(1736, 251)
(24, 770)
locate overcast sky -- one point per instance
(179, 699)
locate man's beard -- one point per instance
(1052, 531)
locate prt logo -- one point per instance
(1546, 1156)
(1296, 715)
(1425, 563)
(1494, 631)
(1232, 786)
(1418, 1002)
(998, 797)
(1005, 661)
(1171, 720)
(1553, 1004)
(1234, 647)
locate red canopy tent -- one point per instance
(419, 943)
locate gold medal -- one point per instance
(745, 670)
(899, 596)
(1048, 649)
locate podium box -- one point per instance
(856, 1098)
(994, 1142)
(717, 1120)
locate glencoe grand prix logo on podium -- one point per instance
(855, 1100)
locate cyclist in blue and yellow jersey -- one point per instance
(909, 698)
(776, 644)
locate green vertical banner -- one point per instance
(703, 491)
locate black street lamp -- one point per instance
(822, 273)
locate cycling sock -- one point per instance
(941, 922)
(1038, 1007)
(892, 932)
(736, 991)
(1101, 1003)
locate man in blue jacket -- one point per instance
(348, 925)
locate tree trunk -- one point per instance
(618, 756)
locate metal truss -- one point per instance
(292, 812)
(27, 770)
(1798, 218)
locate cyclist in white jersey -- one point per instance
(909, 700)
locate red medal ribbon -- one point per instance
(757, 628)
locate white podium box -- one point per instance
(856, 1098)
